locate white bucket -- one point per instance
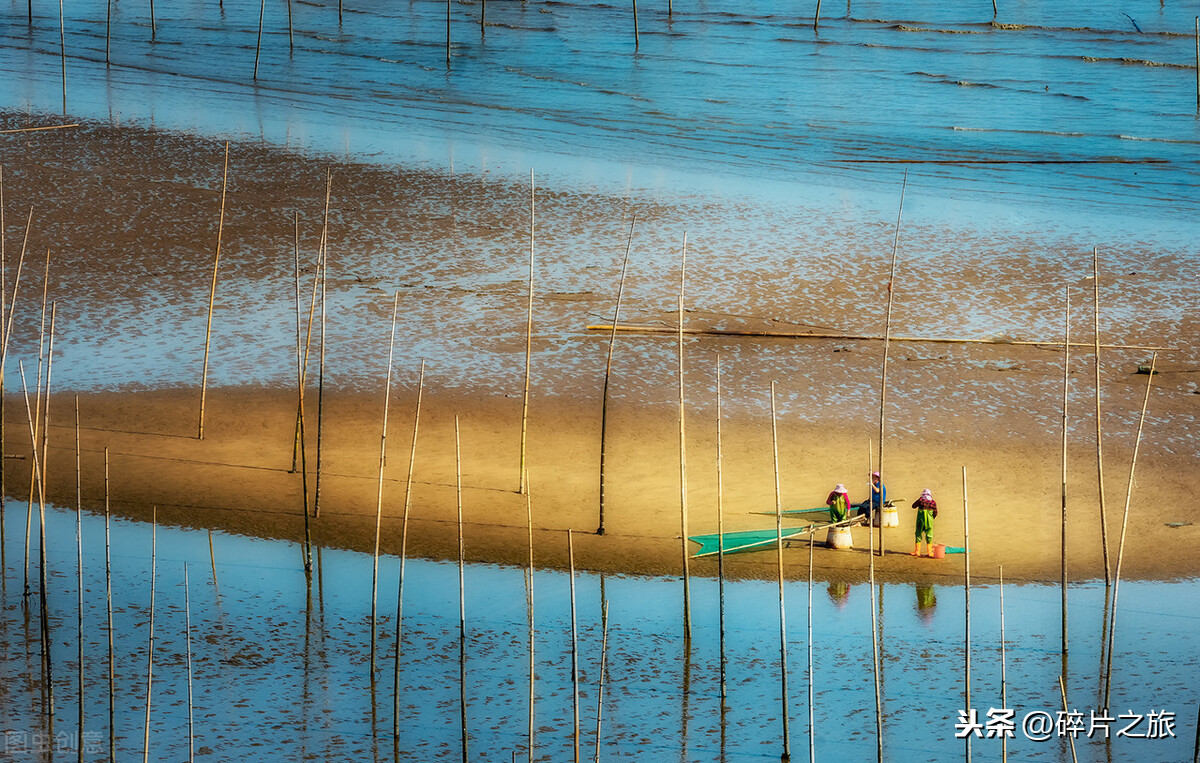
(891, 517)
(839, 537)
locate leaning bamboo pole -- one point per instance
(37, 415)
(612, 341)
(1099, 427)
(412, 456)
(1066, 390)
(671, 330)
(462, 601)
(875, 666)
(262, 10)
(212, 294)
(150, 638)
(528, 341)
(720, 546)
(3, 355)
(298, 443)
(1062, 687)
(683, 504)
(324, 274)
(783, 669)
(387, 397)
(79, 579)
(967, 610)
(112, 676)
(574, 650)
(887, 338)
(1112, 615)
(312, 305)
(6, 324)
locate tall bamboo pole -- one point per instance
(212, 294)
(783, 669)
(1198, 64)
(150, 640)
(299, 443)
(62, 54)
(967, 610)
(324, 276)
(262, 9)
(447, 34)
(683, 504)
(112, 676)
(462, 601)
(387, 397)
(875, 667)
(312, 305)
(637, 38)
(1003, 667)
(107, 32)
(612, 341)
(720, 544)
(603, 665)
(37, 414)
(1066, 389)
(1112, 622)
(187, 636)
(1099, 427)
(812, 726)
(3, 355)
(79, 580)
(528, 340)
(817, 16)
(887, 337)
(574, 651)
(412, 456)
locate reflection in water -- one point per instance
(279, 669)
(839, 593)
(926, 601)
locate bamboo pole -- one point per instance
(462, 602)
(3, 356)
(291, 42)
(967, 612)
(447, 34)
(1198, 64)
(817, 16)
(387, 397)
(528, 340)
(637, 39)
(1003, 667)
(262, 9)
(79, 580)
(887, 336)
(783, 669)
(412, 456)
(995, 10)
(812, 725)
(150, 641)
(672, 330)
(299, 443)
(1062, 687)
(603, 666)
(1099, 427)
(7, 334)
(112, 681)
(1112, 622)
(47, 666)
(875, 675)
(482, 18)
(312, 307)
(1066, 389)
(612, 341)
(1196, 745)
(529, 611)
(62, 54)
(720, 545)
(324, 276)
(38, 129)
(574, 651)
(187, 635)
(153, 22)
(45, 614)
(107, 33)
(212, 558)
(683, 505)
(212, 294)
(36, 423)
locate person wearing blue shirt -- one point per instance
(871, 507)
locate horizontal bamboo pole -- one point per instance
(636, 329)
(35, 129)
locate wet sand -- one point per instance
(130, 215)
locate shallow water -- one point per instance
(282, 672)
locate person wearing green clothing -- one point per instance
(926, 511)
(838, 503)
